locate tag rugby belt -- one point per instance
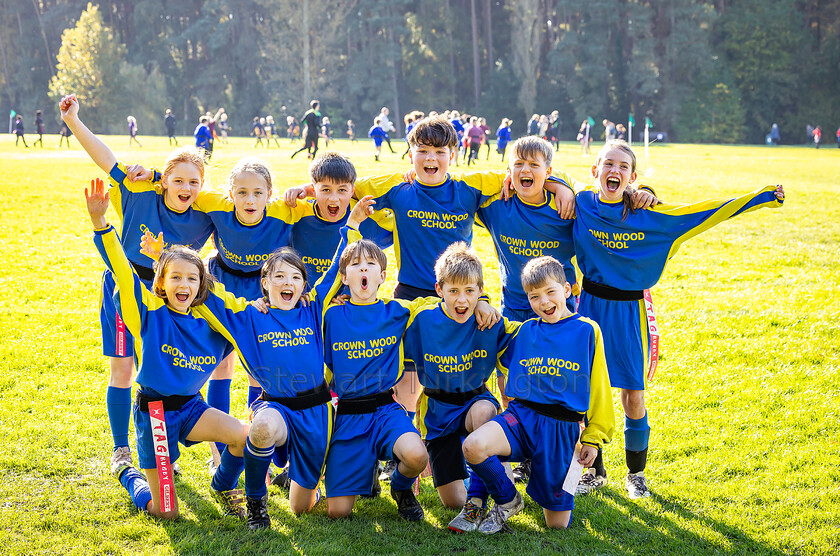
(608, 292)
(303, 400)
(170, 403)
(241, 273)
(555, 411)
(366, 404)
(144, 272)
(454, 398)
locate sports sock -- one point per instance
(218, 396)
(636, 437)
(492, 472)
(228, 472)
(400, 481)
(253, 393)
(118, 404)
(477, 488)
(598, 464)
(257, 461)
(138, 488)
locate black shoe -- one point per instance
(522, 472)
(282, 479)
(376, 490)
(258, 512)
(407, 505)
(388, 470)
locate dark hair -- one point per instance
(203, 120)
(37, 112)
(332, 166)
(627, 195)
(433, 132)
(314, 104)
(359, 249)
(283, 255)
(179, 252)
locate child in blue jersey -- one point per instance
(378, 135)
(175, 353)
(503, 137)
(141, 206)
(557, 377)
(203, 136)
(454, 359)
(622, 252)
(132, 131)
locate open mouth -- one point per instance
(182, 297)
(332, 210)
(431, 170)
(461, 311)
(613, 184)
(184, 198)
(526, 182)
(549, 312)
(286, 295)
(364, 282)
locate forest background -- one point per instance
(718, 71)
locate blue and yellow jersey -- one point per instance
(282, 350)
(315, 238)
(452, 356)
(245, 247)
(562, 364)
(142, 206)
(521, 232)
(631, 254)
(175, 352)
(364, 347)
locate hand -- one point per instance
(97, 203)
(780, 192)
(644, 199)
(565, 199)
(138, 172)
(587, 455)
(485, 315)
(152, 246)
(299, 192)
(304, 300)
(69, 106)
(409, 176)
(507, 187)
(361, 211)
(260, 305)
(340, 299)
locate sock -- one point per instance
(636, 437)
(218, 396)
(477, 488)
(138, 488)
(257, 461)
(227, 475)
(118, 405)
(400, 481)
(253, 393)
(492, 473)
(598, 464)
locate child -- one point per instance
(326, 130)
(64, 134)
(19, 131)
(617, 273)
(474, 135)
(817, 137)
(169, 122)
(378, 135)
(485, 139)
(454, 359)
(174, 350)
(409, 125)
(312, 121)
(132, 131)
(503, 137)
(258, 130)
(555, 385)
(39, 129)
(141, 206)
(351, 131)
(584, 136)
(224, 128)
(203, 137)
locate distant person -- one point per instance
(408, 120)
(838, 137)
(258, 131)
(543, 133)
(326, 130)
(39, 129)
(809, 134)
(272, 130)
(610, 130)
(64, 134)
(620, 132)
(224, 128)
(203, 137)
(474, 135)
(817, 136)
(555, 126)
(211, 126)
(485, 140)
(387, 126)
(774, 134)
(132, 131)
(351, 131)
(503, 137)
(169, 122)
(19, 131)
(312, 120)
(378, 134)
(584, 136)
(534, 125)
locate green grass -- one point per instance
(744, 413)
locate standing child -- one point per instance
(817, 136)
(378, 135)
(326, 130)
(224, 128)
(584, 136)
(203, 137)
(474, 137)
(258, 130)
(312, 121)
(503, 137)
(485, 140)
(351, 131)
(132, 131)
(19, 131)
(169, 122)
(39, 129)
(409, 125)
(618, 273)
(64, 134)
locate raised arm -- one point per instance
(98, 151)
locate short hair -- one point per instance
(459, 264)
(38, 112)
(359, 249)
(539, 271)
(377, 120)
(190, 155)
(314, 104)
(176, 253)
(332, 166)
(279, 256)
(250, 165)
(530, 146)
(203, 120)
(435, 131)
(168, 110)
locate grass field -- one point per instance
(744, 409)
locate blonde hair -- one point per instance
(176, 253)
(459, 264)
(357, 250)
(252, 166)
(190, 155)
(539, 271)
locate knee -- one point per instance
(415, 455)
(339, 511)
(474, 449)
(484, 412)
(262, 433)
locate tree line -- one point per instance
(701, 70)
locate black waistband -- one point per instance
(241, 273)
(304, 400)
(454, 398)
(367, 404)
(144, 272)
(170, 403)
(554, 411)
(608, 292)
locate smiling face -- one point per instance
(180, 283)
(284, 285)
(181, 186)
(613, 172)
(459, 299)
(333, 198)
(363, 275)
(431, 163)
(250, 193)
(528, 174)
(548, 300)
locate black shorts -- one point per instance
(446, 459)
(410, 293)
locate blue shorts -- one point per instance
(179, 424)
(117, 341)
(307, 441)
(358, 442)
(550, 445)
(626, 338)
(249, 288)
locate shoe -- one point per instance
(282, 479)
(522, 472)
(470, 517)
(232, 501)
(636, 485)
(496, 519)
(258, 512)
(120, 461)
(407, 505)
(211, 466)
(176, 469)
(589, 482)
(387, 471)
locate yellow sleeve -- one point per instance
(280, 210)
(571, 182)
(377, 185)
(489, 183)
(212, 200)
(600, 419)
